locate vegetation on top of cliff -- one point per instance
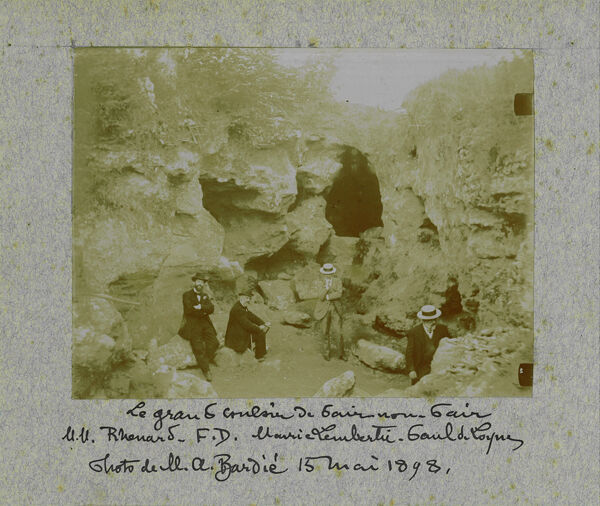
(464, 122)
(149, 102)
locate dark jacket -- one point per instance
(240, 327)
(196, 322)
(415, 361)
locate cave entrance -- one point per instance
(354, 201)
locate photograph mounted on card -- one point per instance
(302, 223)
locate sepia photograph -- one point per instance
(284, 223)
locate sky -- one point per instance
(384, 77)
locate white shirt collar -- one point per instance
(429, 334)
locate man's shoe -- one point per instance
(208, 376)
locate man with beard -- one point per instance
(196, 326)
(245, 328)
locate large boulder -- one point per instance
(189, 199)
(340, 386)
(403, 214)
(261, 180)
(176, 353)
(393, 322)
(201, 245)
(379, 357)
(318, 167)
(92, 350)
(230, 359)
(278, 293)
(340, 250)
(449, 353)
(308, 226)
(226, 270)
(308, 282)
(108, 247)
(185, 385)
(250, 236)
(296, 319)
(480, 364)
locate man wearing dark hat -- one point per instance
(328, 314)
(423, 341)
(196, 326)
(245, 328)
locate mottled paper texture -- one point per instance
(559, 462)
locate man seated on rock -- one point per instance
(196, 326)
(423, 341)
(245, 328)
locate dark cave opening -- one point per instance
(354, 201)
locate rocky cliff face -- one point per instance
(458, 208)
(451, 205)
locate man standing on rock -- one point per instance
(245, 328)
(423, 341)
(328, 314)
(196, 326)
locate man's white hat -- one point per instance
(429, 312)
(327, 269)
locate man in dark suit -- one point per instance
(244, 328)
(196, 326)
(423, 341)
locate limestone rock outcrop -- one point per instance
(250, 180)
(308, 226)
(183, 385)
(478, 365)
(92, 350)
(230, 359)
(253, 236)
(340, 386)
(319, 165)
(278, 293)
(379, 357)
(296, 319)
(101, 342)
(308, 282)
(176, 353)
(340, 250)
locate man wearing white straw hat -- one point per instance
(328, 314)
(423, 341)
